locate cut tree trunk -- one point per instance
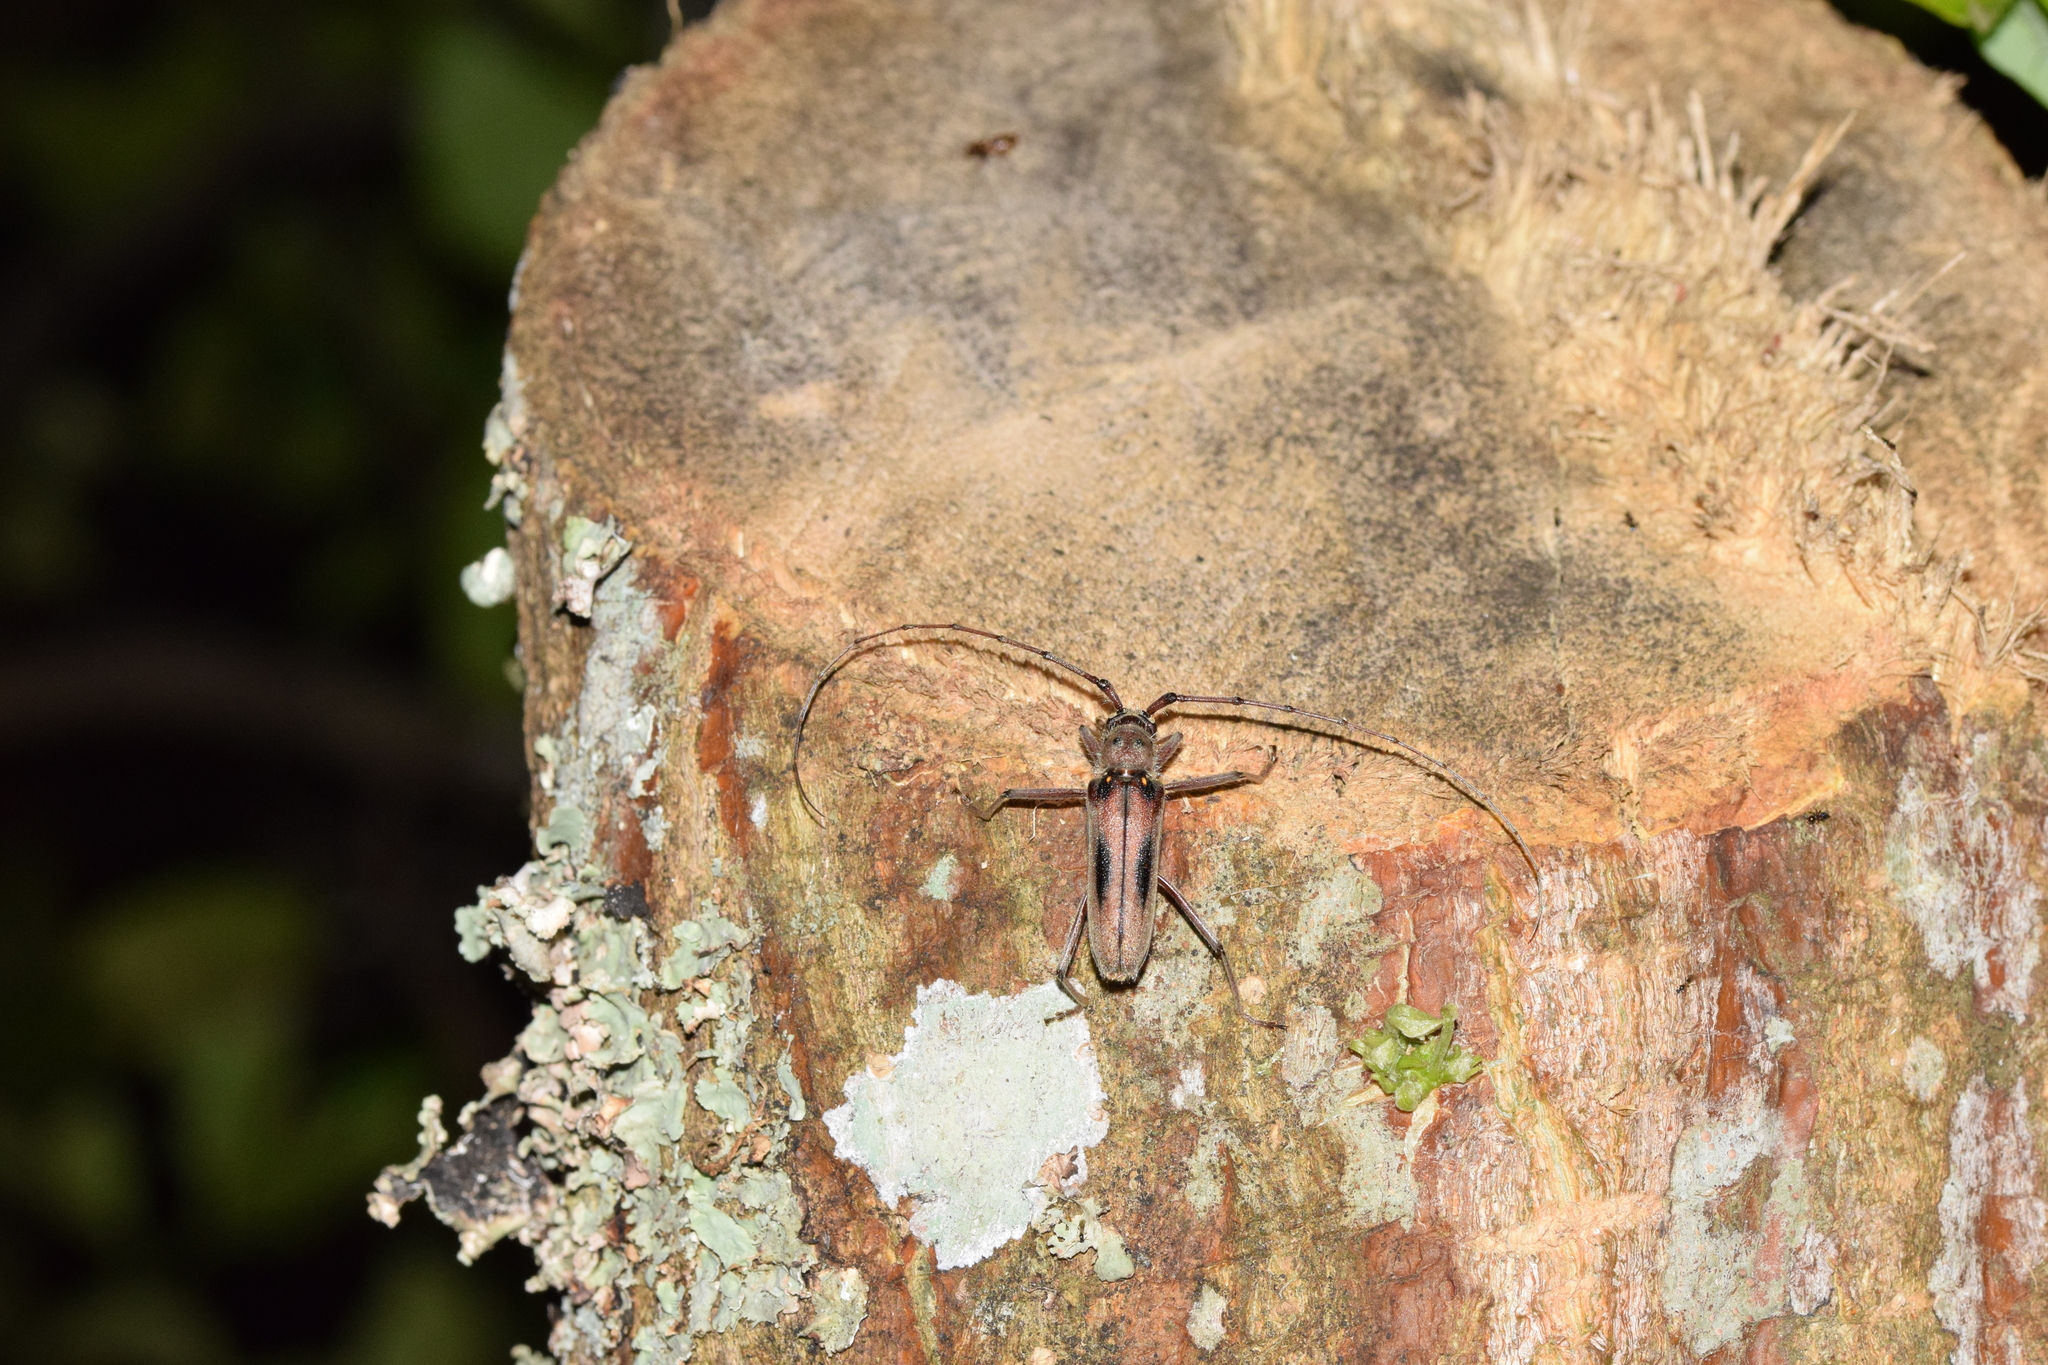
(1590, 401)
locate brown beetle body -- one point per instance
(1126, 804)
(1126, 800)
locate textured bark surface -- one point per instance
(1431, 365)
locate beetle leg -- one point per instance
(1066, 963)
(1202, 931)
(1194, 786)
(1030, 796)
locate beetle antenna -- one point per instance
(1437, 766)
(796, 753)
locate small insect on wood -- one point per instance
(1125, 800)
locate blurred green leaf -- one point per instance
(178, 962)
(1979, 15)
(207, 978)
(2018, 47)
(493, 123)
(74, 1158)
(68, 432)
(136, 1322)
(423, 1311)
(263, 252)
(96, 142)
(93, 1166)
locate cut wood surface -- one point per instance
(1641, 410)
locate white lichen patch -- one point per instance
(1190, 1089)
(505, 432)
(610, 748)
(943, 880)
(1378, 1184)
(986, 1089)
(839, 1307)
(590, 551)
(1205, 1318)
(1992, 1220)
(1342, 906)
(1174, 988)
(1720, 1279)
(1960, 874)
(1069, 1228)
(1203, 1185)
(1924, 1070)
(490, 581)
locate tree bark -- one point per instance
(1446, 367)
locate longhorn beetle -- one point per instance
(1126, 805)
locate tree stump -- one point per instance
(1643, 412)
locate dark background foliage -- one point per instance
(258, 746)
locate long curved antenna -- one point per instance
(796, 750)
(1434, 765)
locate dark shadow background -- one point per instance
(253, 262)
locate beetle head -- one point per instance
(1128, 744)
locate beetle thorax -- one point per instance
(1128, 746)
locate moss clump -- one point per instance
(1412, 1052)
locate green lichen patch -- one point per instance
(1068, 1229)
(505, 445)
(840, 1308)
(1413, 1053)
(590, 550)
(635, 1138)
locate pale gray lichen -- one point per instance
(645, 1039)
(1378, 1183)
(479, 1186)
(604, 1087)
(636, 1137)
(986, 1089)
(1205, 1318)
(1343, 905)
(610, 748)
(1990, 1213)
(1203, 1185)
(1924, 1070)
(1960, 872)
(504, 445)
(839, 1306)
(786, 1077)
(943, 880)
(491, 581)
(1720, 1280)
(590, 551)
(1069, 1228)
